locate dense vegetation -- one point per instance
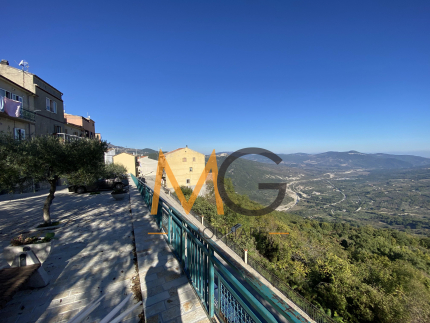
(355, 274)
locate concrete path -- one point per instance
(167, 293)
(92, 256)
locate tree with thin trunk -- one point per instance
(49, 158)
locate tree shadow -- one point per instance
(92, 256)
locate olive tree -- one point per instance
(48, 158)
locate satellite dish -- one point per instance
(24, 64)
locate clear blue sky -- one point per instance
(289, 76)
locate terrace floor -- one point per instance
(92, 256)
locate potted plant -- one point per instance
(119, 194)
(40, 245)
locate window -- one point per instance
(57, 129)
(65, 130)
(19, 133)
(191, 169)
(5, 93)
(188, 181)
(194, 158)
(51, 105)
(184, 159)
(17, 98)
(11, 95)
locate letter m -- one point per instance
(187, 205)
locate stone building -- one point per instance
(19, 119)
(128, 160)
(187, 165)
(86, 124)
(48, 103)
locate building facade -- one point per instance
(128, 160)
(16, 109)
(187, 165)
(109, 155)
(87, 124)
(48, 102)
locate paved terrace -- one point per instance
(93, 256)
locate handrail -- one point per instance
(232, 302)
(28, 115)
(310, 309)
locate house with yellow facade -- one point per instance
(128, 160)
(187, 165)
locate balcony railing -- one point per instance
(28, 115)
(68, 138)
(221, 288)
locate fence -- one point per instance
(311, 310)
(221, 290)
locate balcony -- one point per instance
(68, 138)
(28, 115)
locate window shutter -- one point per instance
(22, 134)
(16, 133)
(48, 108)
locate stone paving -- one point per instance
(92, 256)
(167, 293)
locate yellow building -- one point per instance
(128, 160)
(187, 165)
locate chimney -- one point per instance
(4, 62)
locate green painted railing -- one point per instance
(218, 279)
(28, 115)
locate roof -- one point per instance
(74, 115)
(170, 152)
(37, 77)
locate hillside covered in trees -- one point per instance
(354, 273)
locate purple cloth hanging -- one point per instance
(12, 107)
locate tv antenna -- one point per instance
(24, 65)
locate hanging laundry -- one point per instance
(12, 107)
(1, 103)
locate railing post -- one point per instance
(203, 219)
(169, 227)
(183, 234)
(211, 283)
(245, 256)
(160, 215)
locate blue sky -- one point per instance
(288, 76)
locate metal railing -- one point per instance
(220, 289)
(311, 310)
(28, 115)
(68, 138)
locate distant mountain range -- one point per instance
(345, 160)
(329, 160)
(144, 151)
